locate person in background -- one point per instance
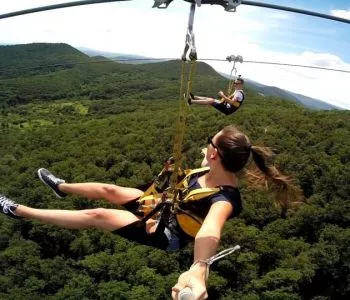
(227, 104)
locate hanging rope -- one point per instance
(187, 75)
(234, 59)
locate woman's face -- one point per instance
(204, 161)
(210, 151)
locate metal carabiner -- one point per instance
(232, 5)
(190, 43)
(161, 3)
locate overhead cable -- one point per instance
(54, 6)
(71, 64)
(223, 3)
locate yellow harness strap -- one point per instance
(184, 182)
(188, 222)
(200, 193)
(151, 196)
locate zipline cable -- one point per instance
(280, 64)
(70, 64)
(54, 6)
(296, 10)
(219, 2)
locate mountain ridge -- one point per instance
(265, 90)
(306, 101)
(52, 71)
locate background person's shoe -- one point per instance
(189, 100)
(51, 181)
(8, 207)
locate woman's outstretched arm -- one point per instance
(205, 246)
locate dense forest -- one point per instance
(90, 119)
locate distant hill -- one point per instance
(57, 71)
(272, 91)
(264, 90)
(308, 102)
(120, 57)
(16, 59)
(93, 52)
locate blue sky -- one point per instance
(257, 34)
(301, 32)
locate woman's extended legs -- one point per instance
(108, 219)
(91, 190)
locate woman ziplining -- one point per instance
(233, 99)
(228, 104)
(226, 156)
(196, 208)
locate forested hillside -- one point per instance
(114, 123)
(26, 78)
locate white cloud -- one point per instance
(341, 13)
(134, 27)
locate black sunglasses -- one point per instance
(210, 141)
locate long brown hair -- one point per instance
(236, 149)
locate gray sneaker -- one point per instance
(51, 181)
(8, 207)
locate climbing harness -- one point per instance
(170, 189)
(156, 199)
(165, 194)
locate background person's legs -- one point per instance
(202, 100)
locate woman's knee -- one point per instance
(111, 189)
(109, 219)
(96, 213)
(120, 194)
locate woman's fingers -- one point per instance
(199, 292)
(176, 289)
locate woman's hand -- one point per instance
(221, 93)
(194, 278)
(205, 246)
